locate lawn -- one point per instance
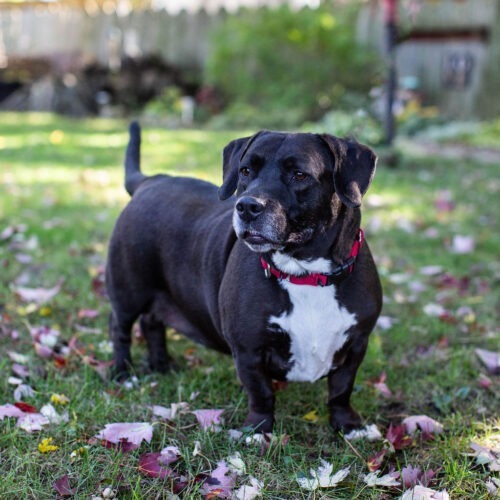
(432, 225)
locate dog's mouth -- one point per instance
(258, 242)
(254, 238)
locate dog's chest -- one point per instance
(317, 326)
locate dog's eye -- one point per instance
(299, 176)
(245, 171)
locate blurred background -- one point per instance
(336, 65)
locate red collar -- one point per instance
(317, 279)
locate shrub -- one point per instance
(277, 60)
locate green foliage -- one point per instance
(277, 60)
(358, 125)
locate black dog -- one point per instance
(279, 276)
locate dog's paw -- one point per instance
(259, 422)
(344, 419)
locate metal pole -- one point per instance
(390, 17)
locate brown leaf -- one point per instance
(62, 486)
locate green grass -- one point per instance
(61, 187)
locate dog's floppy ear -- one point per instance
(231, 158)
(354, 169)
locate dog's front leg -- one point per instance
(250, 368)
(343, 417)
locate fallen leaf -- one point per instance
(88, 313)
(372, 479)
(170, 454)
(59, 399)
(397, 437)
(150, 464)
(490, 359)
(169, 413)
(386, 322)
(209, 419)
(54, 418)
(23, 391)
(431, 270)
(434, 310)
(492, 486)
(312, 416)
(62, 486)
(46, 446)
(381, 387)
(134, 432)
(422, 493)
(20, 370)
(369, 432)
(38, 295)
(251, 491)
(426, 424)
(236, 464)
(9, 410)
(322, 477)
(18, 358)
(412, 476)
(486, 456)
(220, 483)
(25, 407)
(14, 381)
(32, 422)
(462, 244)
(375, 462)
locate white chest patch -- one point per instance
(317, 326)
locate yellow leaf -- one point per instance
(45, 311)
(59, 399)
(46, 447)
(312, 416)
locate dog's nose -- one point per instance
(249, 208)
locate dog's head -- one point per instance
(289, 186)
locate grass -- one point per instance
(61, 190)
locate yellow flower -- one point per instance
(59, 399)
(46, 447)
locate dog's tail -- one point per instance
(133, 174)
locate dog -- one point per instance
(279, 275)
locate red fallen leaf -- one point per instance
(374, 463)
(396, 435)
(25, 407)
(150, 464)
(59, 361)
(62, 486)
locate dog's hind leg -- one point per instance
(154, 331)
(120, 332)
